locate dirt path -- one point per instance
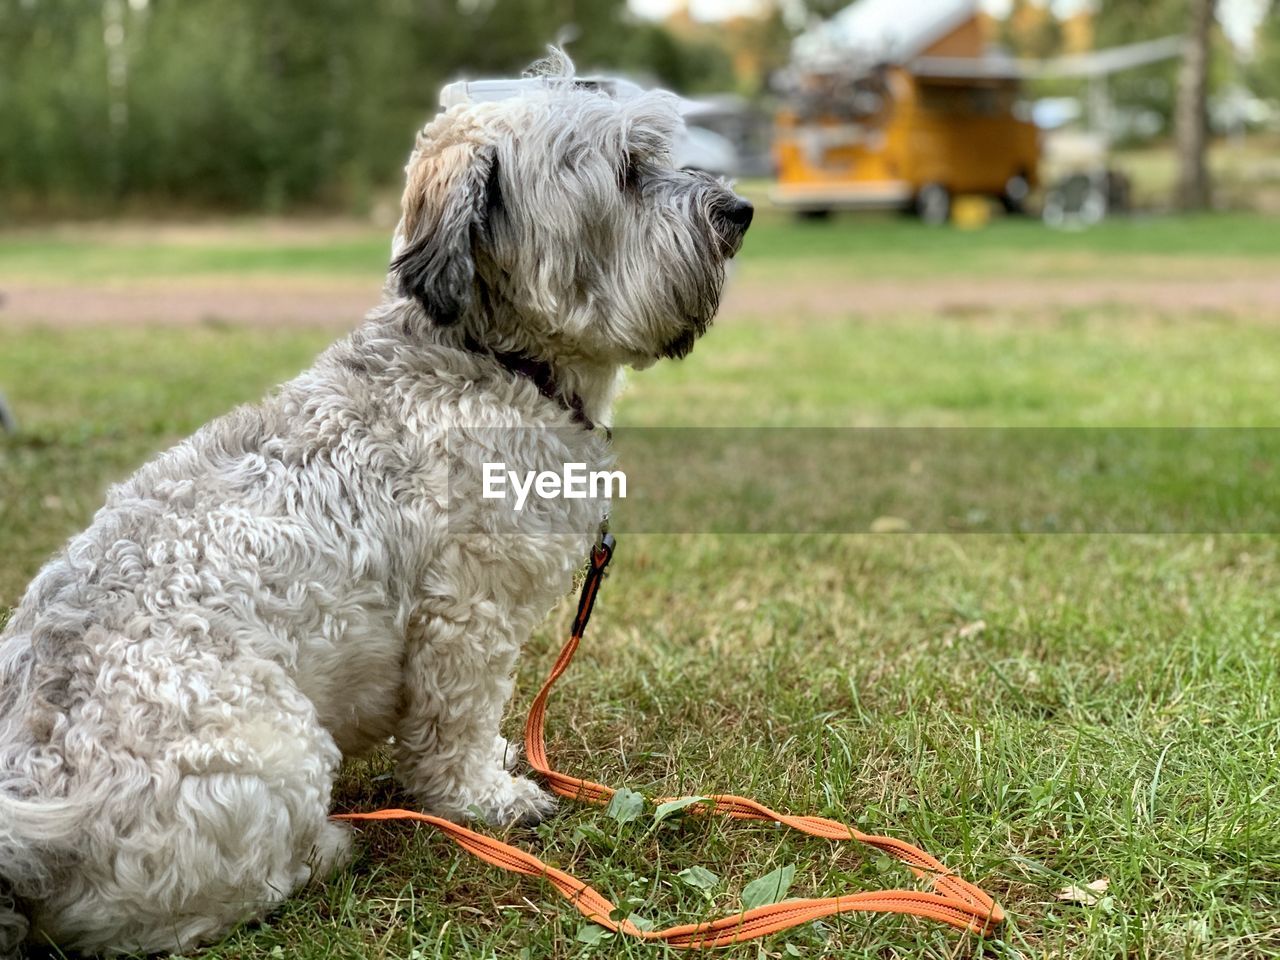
(327, 302)
(286, 302)
(950, 295)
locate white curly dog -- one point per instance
(306, 577)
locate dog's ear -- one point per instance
(448, 199)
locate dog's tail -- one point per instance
(34, 836)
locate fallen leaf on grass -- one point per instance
(592, 933)
(672, 807)
(890, 525)
(625, 805)
(770, 888)
(699, 877)
(1089, 894)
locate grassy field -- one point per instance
(867, 246)
(1039, 712)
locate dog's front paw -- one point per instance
(506, 754)
(516, 802)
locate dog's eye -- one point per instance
(631, 172)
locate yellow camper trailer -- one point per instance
(900, 106)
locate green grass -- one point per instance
(1069, 367)
(905, 245)
(1036, 711)
(41, 256)
(851, 246)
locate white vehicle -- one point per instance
(702, 149)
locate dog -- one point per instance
(306, 578)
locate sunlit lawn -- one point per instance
(1037, 711)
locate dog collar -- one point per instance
(540, 374)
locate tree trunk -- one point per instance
(1193, 113)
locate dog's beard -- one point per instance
(698, 301)
(682, 345)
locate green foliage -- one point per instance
(686, 65)
(1263, 72)
(251, 105)
(700, 878)
(770, 888)
(625, 806)
(1153, 87)
(672, 807)
(592, 933)
(1041, 40)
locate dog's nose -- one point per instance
(739, 213)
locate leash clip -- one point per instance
(602, 552)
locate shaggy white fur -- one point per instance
(304, 578)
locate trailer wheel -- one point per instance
(8, 422)
(1014, 196)
(933, 204)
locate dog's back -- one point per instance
(140, 732)
(181, 681)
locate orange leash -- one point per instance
(953, 901)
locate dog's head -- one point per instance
(557, 215)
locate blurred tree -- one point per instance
(1263, 72)
(1032, 30)
(250, 104)
(1193, 110)
(53, 99)
(1152, 87)
(686, 64)
(761, 47)
(802, 12)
